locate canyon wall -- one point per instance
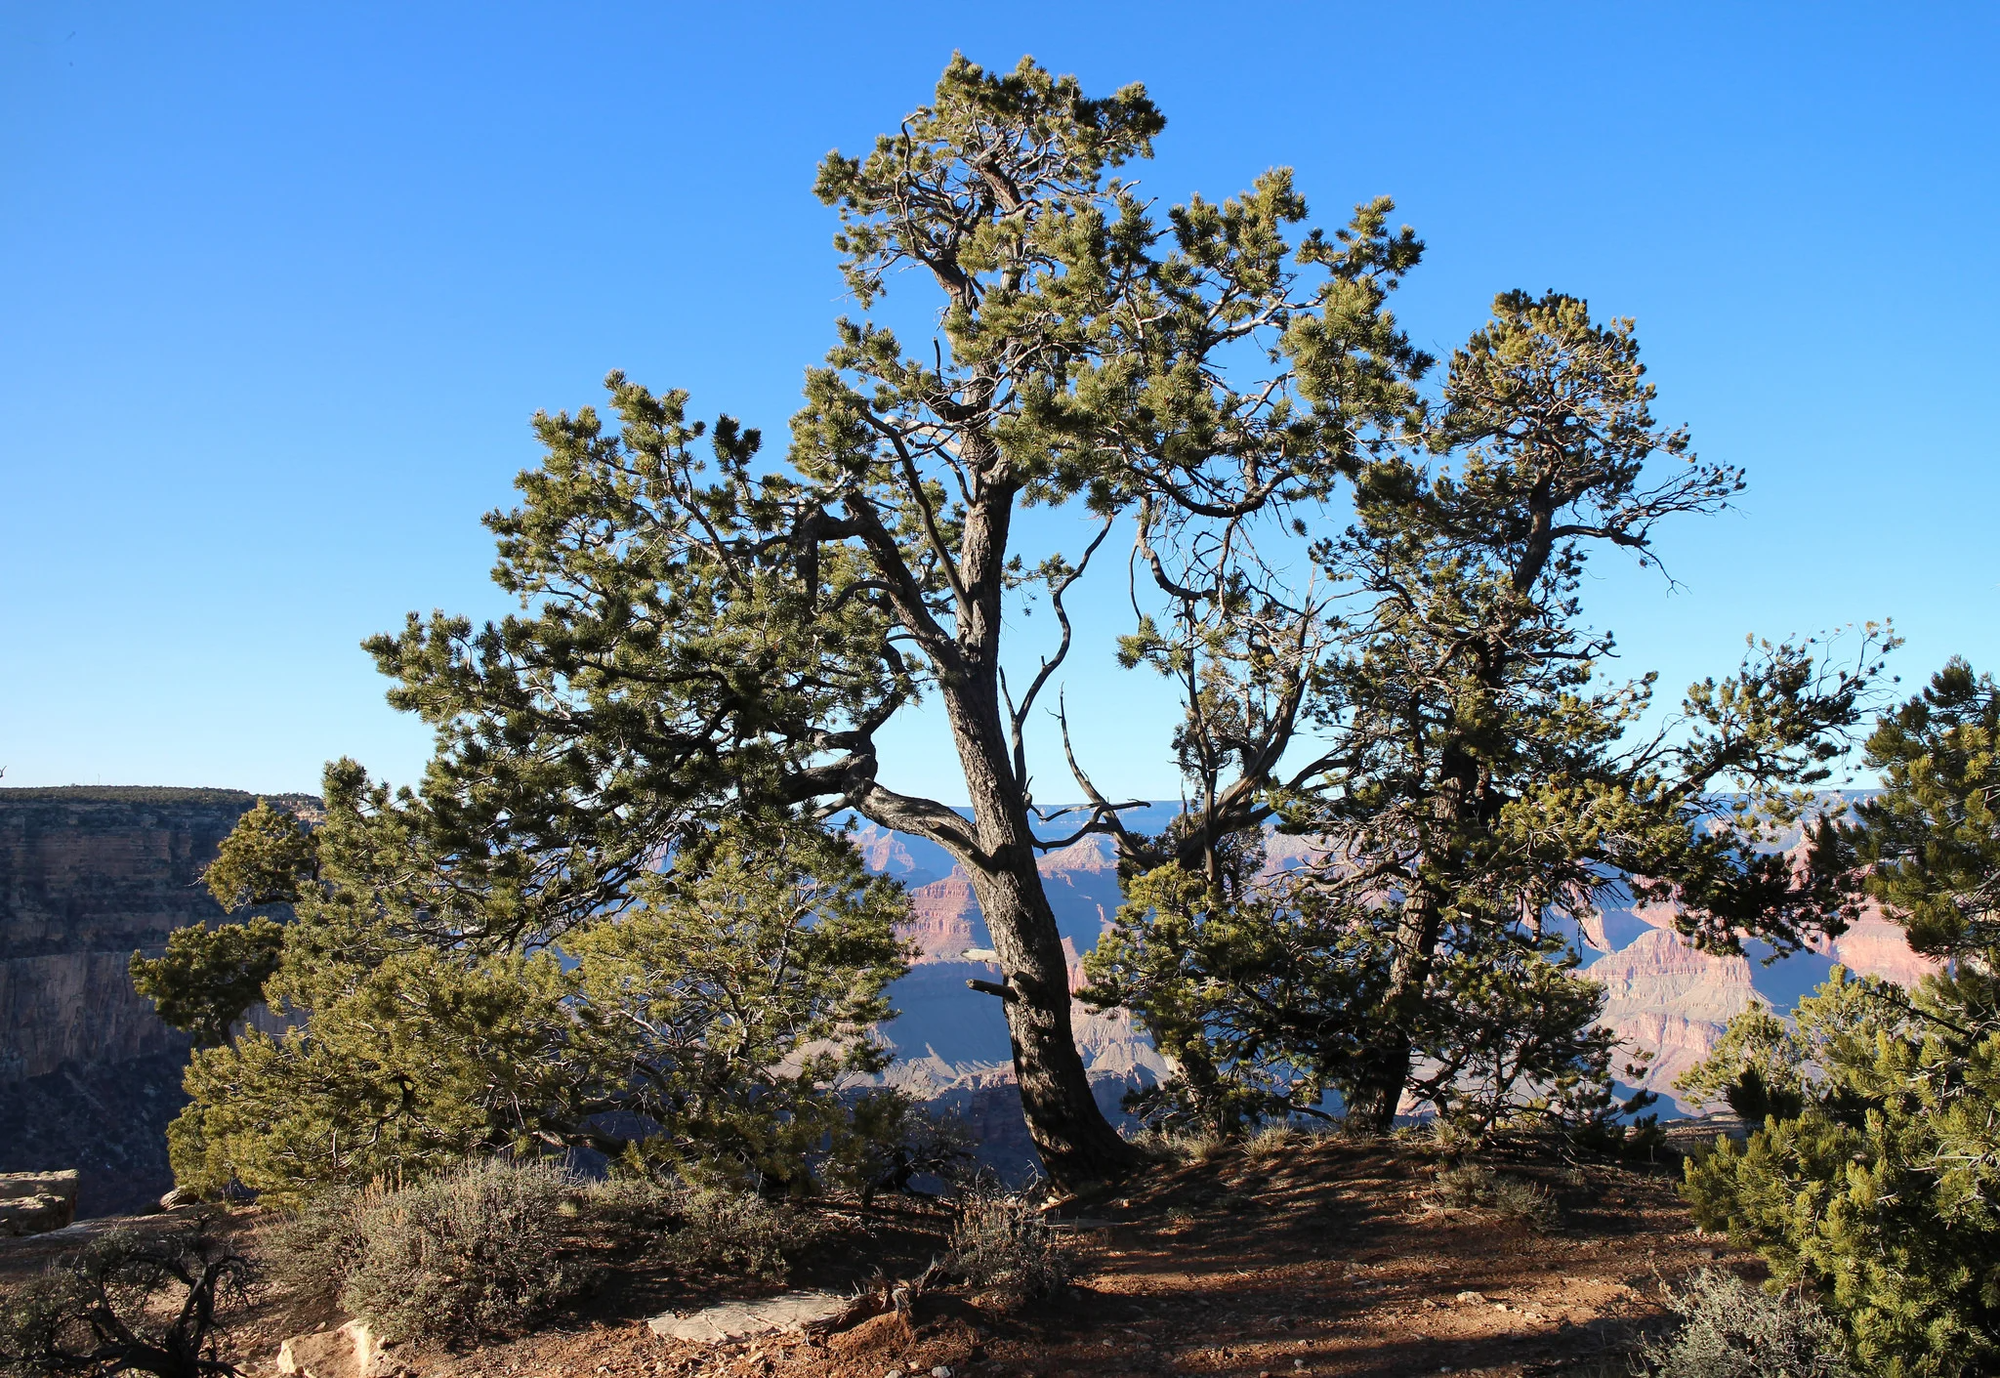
(88, 1073)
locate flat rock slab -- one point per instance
(14, 1185)
(21, 1215)
(734, 1320)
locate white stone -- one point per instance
(352, 1351)
(737, 1319)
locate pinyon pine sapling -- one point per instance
(703, 1027)
(1875, 1173)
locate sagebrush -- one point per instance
(311, 1248)
(475, 1252)
(1729, 1329)
(705, 1231)
(1471, 1186)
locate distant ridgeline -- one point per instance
(89, 1076)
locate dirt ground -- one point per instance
(1324, 1258)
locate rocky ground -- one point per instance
(1324, 1257)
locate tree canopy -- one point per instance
(1479, 785)
(704, 630)
(700, 1030)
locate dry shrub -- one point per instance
(127, 1301)
(705, 1231)
(309, 1251)
(1003, 1245)
(1729, 1329)
(478, 1251)
(1471, 1187)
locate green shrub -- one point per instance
(1729, 1329)
(1879, 1191)
(895, 1140)
(478, 1251)
(1469, 1186)
(1004, 1246)
(708, 1232)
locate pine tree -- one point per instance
(1477, 788)
(701, 1030)
(704, 635)
(1875, 1174)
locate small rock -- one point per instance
(940, 1372)
(1499, 1306)
(352, 1351)
(893, 1373)
(1470, 1297)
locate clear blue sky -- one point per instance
(281, 284)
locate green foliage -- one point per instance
(1266, 1001)
(1247, 998)
(1875, 1174)
(705, 630)
(1931, 839)
(1479, 788)
(268, 858)
(1728, 1329)
(895, 1140)
(704, 1024)
(210, 977)
(1879, 1190)
(128, 1301)
(476, 1252)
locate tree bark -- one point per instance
(1079, 1146)
(1380, 1092)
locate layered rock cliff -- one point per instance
(88, 1073)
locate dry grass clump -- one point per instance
(1003, 1246)
(1469, 1186)
(705, 1231)
(1182, 1146)
(1729, 1329)
(479, 1251)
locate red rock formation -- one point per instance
(1665, 998)
(946, 919)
